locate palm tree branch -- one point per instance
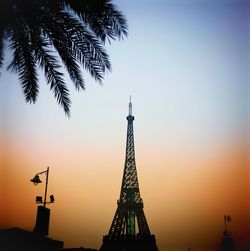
(88, 51)
(101, 16)
(49, 33)
(87, 47)
(87, 42)
(67, 57)
(1, 48)
(23, 62)
(70, 62)
(54, 77)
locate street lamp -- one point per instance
(43, 213)
(36, 180)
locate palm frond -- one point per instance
(87, 47)
(72, 67)
(61, 92)
(78, 42)
(51, 34)
(1, 48)
(23, 63)
(49, 63)
(102, 17)
(55, 78)
(118, 25)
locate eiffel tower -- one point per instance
(129, 230)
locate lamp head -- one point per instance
(36, 180)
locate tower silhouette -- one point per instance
(227, 240)
(129, 230)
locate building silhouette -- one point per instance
(129, 230)
(16, 239)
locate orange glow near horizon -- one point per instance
(184, 200)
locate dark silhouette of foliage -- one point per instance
(49, 34)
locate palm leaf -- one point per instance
(51, 34)
(78, 42)
(101, 16)
(49, 63)
(1, 48)
(23, 63)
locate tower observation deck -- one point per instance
(129, 230)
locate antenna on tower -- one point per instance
(130, 107)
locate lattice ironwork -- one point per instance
(129, 219)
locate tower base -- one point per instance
(127, 243)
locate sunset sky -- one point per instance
(186, 65)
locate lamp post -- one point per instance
(43, 213)
(36, 180)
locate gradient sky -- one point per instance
(186, 65)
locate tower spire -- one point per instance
(129, 229)
(130, 107)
